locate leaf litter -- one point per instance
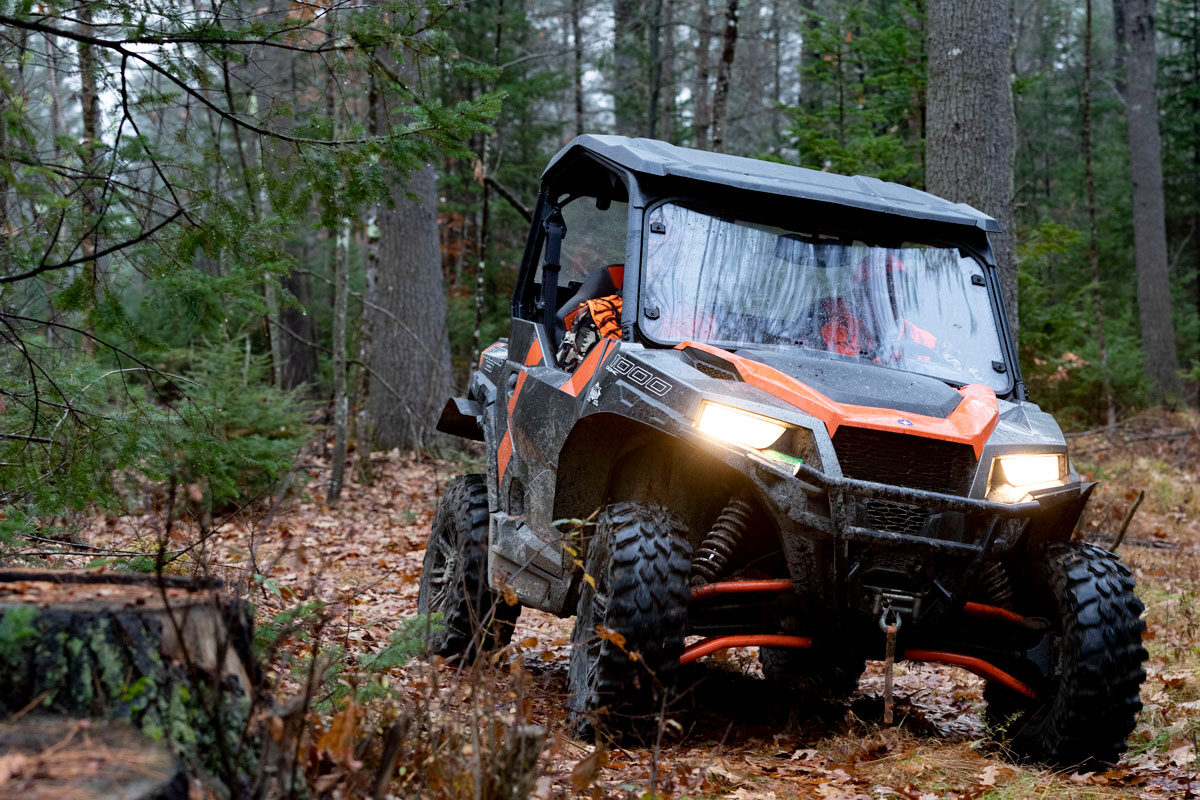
(363, 557)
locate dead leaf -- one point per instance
(584, 773)
(1182, 756)
(989, 775)
(338, 741)
(609, 635)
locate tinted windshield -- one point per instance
(736, 284)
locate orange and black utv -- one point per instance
(749, 404)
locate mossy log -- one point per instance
(56, 758)
(170, 655)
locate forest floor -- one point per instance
(363, 558)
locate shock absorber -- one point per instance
(994, 584)
(712, 558)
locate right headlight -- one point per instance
(1014, 477)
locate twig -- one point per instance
(1128, 518)
(511, 197)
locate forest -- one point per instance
(247, 252)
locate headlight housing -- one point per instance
(734, 426)
(1015, 476)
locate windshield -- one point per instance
(739, 284)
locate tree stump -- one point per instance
(45, 758)
(170, 655)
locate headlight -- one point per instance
(735, 426)
(1013, 477)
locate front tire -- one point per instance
(1091, 703)
(454, 576)
(629, 624)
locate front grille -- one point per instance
(897, 459)
(895, 517)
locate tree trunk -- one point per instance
(363, 434)
(667, 103)
(577, 71)
(1093, 249)
(656, 27)
(86, 760)
(969, 143)
(410, 349)
(625, 83)
(701, 108)
(297, 355)
(341, 403)
(1149, 220)
(724, 71)
(173, 658)
(89, 100)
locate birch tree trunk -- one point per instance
(1149, 220)
(341, 403)
(410, 348)
(970, 139)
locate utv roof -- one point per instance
(652, 157)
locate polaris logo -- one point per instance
(639, 376)
(908, 423)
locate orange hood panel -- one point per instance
(971, 422)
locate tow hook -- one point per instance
(890, 629)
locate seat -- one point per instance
(600, 282)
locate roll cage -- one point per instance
(585, 170)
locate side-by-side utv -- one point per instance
(749, 404)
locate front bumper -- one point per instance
(845, 564)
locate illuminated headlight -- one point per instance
(735, 426)
(1014, 477)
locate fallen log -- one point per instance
(44, 758)
(168, 654)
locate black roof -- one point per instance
(652, 157)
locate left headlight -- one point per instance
(735, 426)
(1013, 477)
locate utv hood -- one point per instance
(860, 395)
(848, 383)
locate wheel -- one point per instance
(825, 673)
(622, 673)
(1092, 699)
(454, 576)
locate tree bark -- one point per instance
(1149, 217)
(652, 109)
(724, 71)
(701, 107)
(297, 356)
(171, 656)
(341, 403)
(628, 33)
(577, 64)
(89, 100)
(1093, 249)
(969, 145)
(410, 349)
(363, 435)
(667, 102)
